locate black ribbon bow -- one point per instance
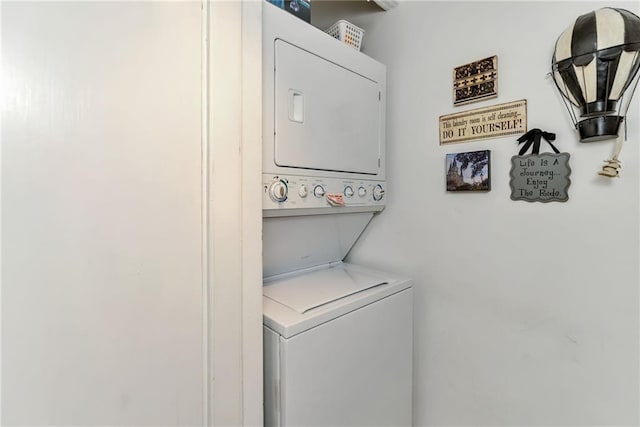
(533, 138)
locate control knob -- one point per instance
(318, 191)
(303, 190)
(278, 191)
(362, 191)
(348, 191)
(378, 193)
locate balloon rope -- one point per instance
(606, 89)
(572, 114)
(584, 88)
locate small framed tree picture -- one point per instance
(469, 171)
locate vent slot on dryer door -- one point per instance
(326, 116)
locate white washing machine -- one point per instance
(338, 345)
(337, 337)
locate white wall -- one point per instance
(526, 313)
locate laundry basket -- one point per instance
(346, 32)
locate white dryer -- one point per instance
(338, 344)
(323, 122)
(337, 337)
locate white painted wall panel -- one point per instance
(101, 213)
(525, 314)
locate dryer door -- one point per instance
(326, 116)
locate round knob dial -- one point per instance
(362, 191)
(378, 193)
(278, 191)
(348, 191)
(318, 191)
(303, 190)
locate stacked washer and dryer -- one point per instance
(338, 337)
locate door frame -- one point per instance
(232, 213)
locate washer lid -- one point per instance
(304, 293)
(298, 301)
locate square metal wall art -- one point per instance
(475, 81)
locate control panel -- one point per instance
(304, 192)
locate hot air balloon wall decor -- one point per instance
(595, 67)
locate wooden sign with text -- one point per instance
(489, 122)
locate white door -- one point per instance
(327, 117)
(101, 213)
(353, 371)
